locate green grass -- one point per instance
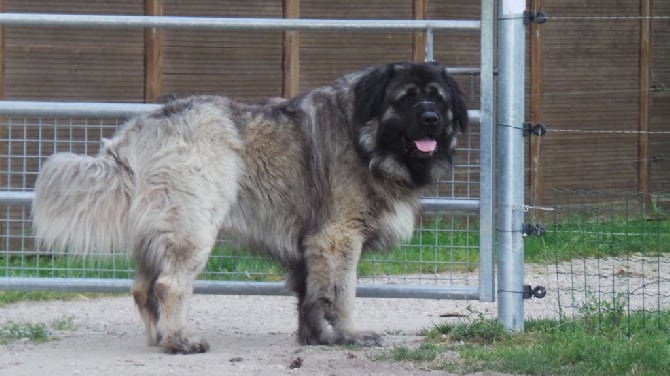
(32, 332)
(433, 249)
(581, 237)
(8, 297)
(40, 332)
(426, 353)
(636, 344)
(479, 331)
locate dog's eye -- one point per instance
(408, 96)
(438, 99)
(405, 99)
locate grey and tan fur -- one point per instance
(313, 181)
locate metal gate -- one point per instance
(451, 256)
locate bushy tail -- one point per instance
(81, 204)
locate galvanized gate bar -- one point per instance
(221, 23)
(106, 285)
(67, 109)
(431, 204)
(428, 204)
(97, 109)
(16, 197)
(464, 70)
(486, 154)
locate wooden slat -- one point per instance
(420, 12)
(591, 82)
(75, 6)
(228, 8)
(324, 56)
(2, 60)
(536, 107)
(225, 68)
(246, 65)
(74, 73)
(459, 48)
(153, 53)
(659, 144)
(74, 63)
(645, 73)
(3, 129)
(584, 162)
(291, 71)
(328, 55)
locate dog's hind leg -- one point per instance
(173, 290)
(147, 303)
(168, 264)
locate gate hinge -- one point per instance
(538, 17)
(534, 292)
(528, 229)
(532, 129)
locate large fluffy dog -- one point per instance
(312, 180)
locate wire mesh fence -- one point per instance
(605, 255)
(443, 252)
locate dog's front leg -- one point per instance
(325, 309)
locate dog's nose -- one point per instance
(429, 118)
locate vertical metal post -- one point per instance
(486, 153)
(429, 45)
(510, 162)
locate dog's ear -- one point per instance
(369, 92)
(458, 107)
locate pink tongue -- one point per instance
(426, 146)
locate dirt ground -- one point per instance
(249, 335)
(254, 335)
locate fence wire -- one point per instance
(606, 255)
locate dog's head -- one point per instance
(407, 116)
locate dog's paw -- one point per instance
(177, 344)
(365, 339)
